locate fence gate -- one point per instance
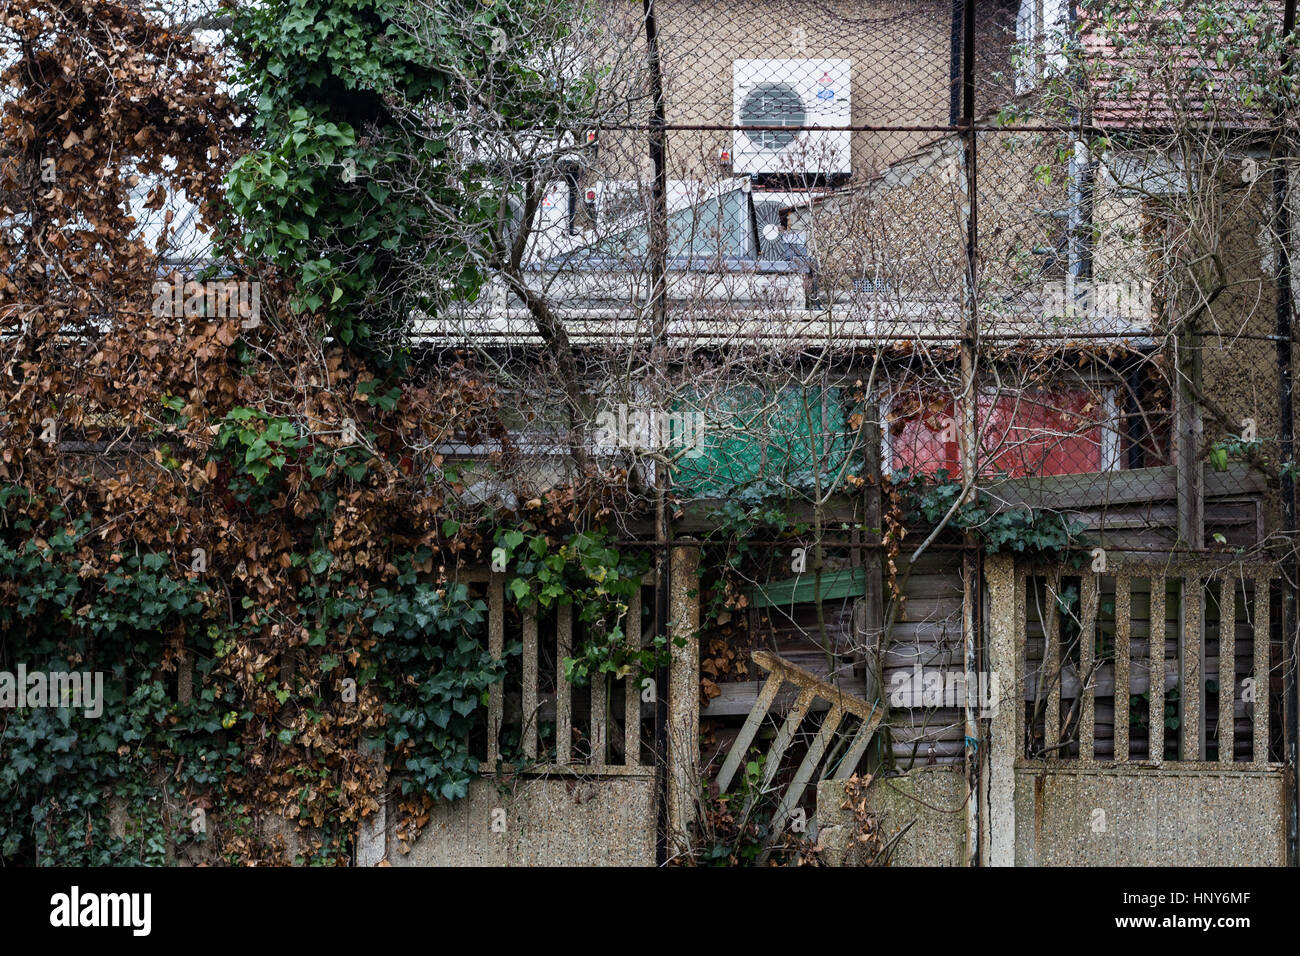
(1146, 714)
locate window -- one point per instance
(1036, 432)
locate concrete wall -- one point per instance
(931, 798)
(540, 822)
(1134, 816)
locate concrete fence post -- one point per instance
(1005, 602)
(683, 696)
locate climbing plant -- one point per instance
(583, 570)
(242, 522)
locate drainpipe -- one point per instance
(1286, 416)
(1081, 172)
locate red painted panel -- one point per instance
(1029, 434)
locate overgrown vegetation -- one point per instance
(258, 548)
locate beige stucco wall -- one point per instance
(900, 53)
(1143, 816)
(931, 799)
(540, 822)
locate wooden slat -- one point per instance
(786, 734)
(808, 766)
(1088, 626)
(564, 693)
(1156, 713)
(848, 582)
(632, 687)
(755, 719)
(1020, 667)
(599, 721)
(804, 678)
(737, 697)
(1051, 669)
(1123, 624)
(530, 707)
(496, 648)
(1108, 489)
(1190, 693)
(1227, 665)
(1261, 668)
(859, 745)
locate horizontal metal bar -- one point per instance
(854, 128)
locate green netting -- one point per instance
(757, 440)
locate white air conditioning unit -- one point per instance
(773, 94)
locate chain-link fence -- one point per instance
(851, 293)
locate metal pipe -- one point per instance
(1286, 415)
(867, 128)
(659, 292)
(954, 63)
(970, 429)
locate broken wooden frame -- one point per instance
(810, 687)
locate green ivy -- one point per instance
(58, 767)
(434, 671)
(313, 197)
(584, 571)
(1030, 531)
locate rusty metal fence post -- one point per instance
(1286, 412)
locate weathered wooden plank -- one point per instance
(1087, 632)
(1122, 652)
(1052, 665)
(1156, 712)
(846, 582)
(859, 745)
(632, 686)
(530, 706)
(564, 692)
(1125, 486)
(1227, 664)
(1261, 671)
(748, 731)
(786, 734)
(738, 697)
(1190, 695)
(812, 759)
(496, 648)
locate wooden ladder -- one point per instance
(811, 687)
